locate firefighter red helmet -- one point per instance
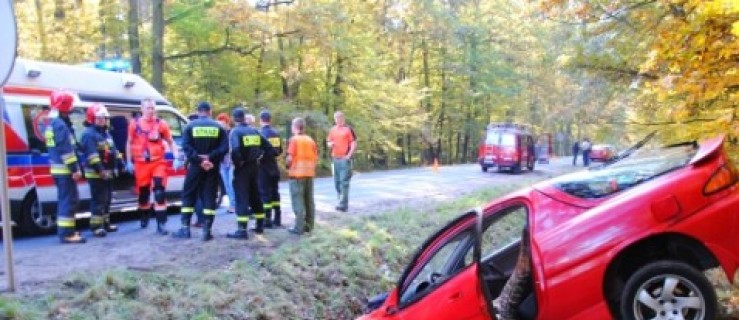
(62, 100)
(96, 111)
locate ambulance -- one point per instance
(32, 192)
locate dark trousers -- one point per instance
(269, 179)
(66, 206)
(100, 194)
(203, 185)
(301, 192)
(246, 188)
(574, 158)
(586, 157)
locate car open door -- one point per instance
(442, 281)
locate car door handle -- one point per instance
(455, 296)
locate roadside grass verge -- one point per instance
(327, 275)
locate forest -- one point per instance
(421, 79)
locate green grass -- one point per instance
(327, 275)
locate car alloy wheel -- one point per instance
(668, 290)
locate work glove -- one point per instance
(177, 164)
(129, 167)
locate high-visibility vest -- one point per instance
(147, 144)
(304, 155)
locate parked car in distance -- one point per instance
(626, 240)
(602, 152)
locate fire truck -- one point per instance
(32, 192)
(507, 146)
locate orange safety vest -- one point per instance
(304, 155)
(148, 144)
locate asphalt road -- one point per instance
(368, 191)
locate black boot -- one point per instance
(240, 232)
(162, 222)
(145, 214)
(268, 219)
(99, 232)
(72, 237)
(107, 225)
(259, 228)
(207, 227)
(278, 217)
(184, 232)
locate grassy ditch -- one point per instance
(326, 275)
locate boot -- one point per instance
(110, 227)
(99, 232)
(278, 217)
(240, 232)
(145, 213)
(207, 235)
(73, 237)
(259, 229)
(162, 223)
(184, 231)
(268, 219)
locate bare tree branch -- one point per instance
(617, 70)
(226, 47)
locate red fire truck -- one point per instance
(507, 146)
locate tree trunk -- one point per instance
(133, 36)
(258, 75)
(157, 53)
(40, 29)
(286, 73)
(337, 90)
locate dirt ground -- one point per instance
(46, 263)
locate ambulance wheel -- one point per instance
(33, 219)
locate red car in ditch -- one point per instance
(628, 240)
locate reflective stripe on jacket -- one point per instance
(99, 151)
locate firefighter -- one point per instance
(61, 144)
(205, 144)
(101, 159)
(269, 174)
(248, 147)
(145, 157)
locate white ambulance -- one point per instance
(32, 192)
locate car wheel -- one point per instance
(668, 290)
(484, 168)
(516, 169)
(33, 219)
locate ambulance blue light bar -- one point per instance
(117, 65)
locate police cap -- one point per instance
(204, 106)
(265, 116)
(238, 114)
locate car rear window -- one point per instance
(641, 166)
(508, 140)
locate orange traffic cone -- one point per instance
(436, 165)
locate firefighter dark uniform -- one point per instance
(269, 174)
(248, 147)
(203, 139)
(101, 162)
(61, 145)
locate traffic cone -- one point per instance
(436, 165)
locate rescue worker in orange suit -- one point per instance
(101, 161)
(61, 144)
(205, 144)
(269, 174)
(248, 148)
(145, 157)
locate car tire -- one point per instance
(484, 168)
(669, 287)
(33, 221)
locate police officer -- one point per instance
(101, 161)
(269, 173)
(205, 144)
(61, 144)
(248, 147)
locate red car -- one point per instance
(629, 240)
(602, 152)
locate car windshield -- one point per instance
(642, 165)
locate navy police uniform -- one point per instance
(202, 138)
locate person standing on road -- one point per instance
(248, 148)
(205, 144)
(199, 216)
(575, 152)
(269, 174)
(302, 158)
(227, 169)
(61, 145)
(101, 159)
(343, 142)
(586, 146)
(145, 157)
